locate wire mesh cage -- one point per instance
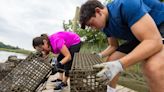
(27, 75)
(5, 68)
(83, 76)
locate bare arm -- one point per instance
(113, 44)
(146, 32)
(66, 53)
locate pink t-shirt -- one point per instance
(59, 39)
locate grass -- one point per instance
(89, 48)
(16, 50)
(133, 78)
(133, 84)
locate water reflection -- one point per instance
(4, 55)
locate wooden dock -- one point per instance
(48, 86)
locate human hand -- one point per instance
(54, 69)
(98, 54)
(59, 65)
(54, 61)
(109, 70)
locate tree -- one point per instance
(2, 45)
(88, 35)
(94, 37)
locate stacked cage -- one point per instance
(83, 75)
(27, 75)
(5, 68)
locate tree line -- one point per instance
(2, 45)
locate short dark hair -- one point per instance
(87, 11)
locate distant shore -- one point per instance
(22, 51)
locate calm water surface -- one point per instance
(4, 55)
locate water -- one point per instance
(4, 55)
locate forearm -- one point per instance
(108, 51)
(65, 59)
(66, 54)
(144, 50)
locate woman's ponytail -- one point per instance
(45, 36)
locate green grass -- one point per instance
(16, 50)
(89, 48)
(134, 84)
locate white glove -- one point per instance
(54, 61)
(109, 70)
(99, 55)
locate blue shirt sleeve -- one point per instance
(133, 10)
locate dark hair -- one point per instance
(39, 40)
(87, 11)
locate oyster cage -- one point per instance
(83, 76)
(5, 68)
(27, 75)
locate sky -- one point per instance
(22, 20)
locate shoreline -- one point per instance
(21, 51)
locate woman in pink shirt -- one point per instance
(63, 43)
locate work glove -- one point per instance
(98, 54)
(59, 65)
(54, 67)
(109, 70)
(54, 61)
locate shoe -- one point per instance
(57, 80)
(60, 86)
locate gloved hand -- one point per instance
(59, 65)
(109, 70)
(54, 66)
(54, 61)
(98, 54)
(54, 69)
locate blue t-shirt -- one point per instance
(124, 13)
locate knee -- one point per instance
(151, 71)
(148, 69)
(116, 55)
(112, 57)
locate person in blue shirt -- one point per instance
(141, 24)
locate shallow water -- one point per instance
(4, 55)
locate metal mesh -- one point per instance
(83, 76)
(5, 68)
(26, 76)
